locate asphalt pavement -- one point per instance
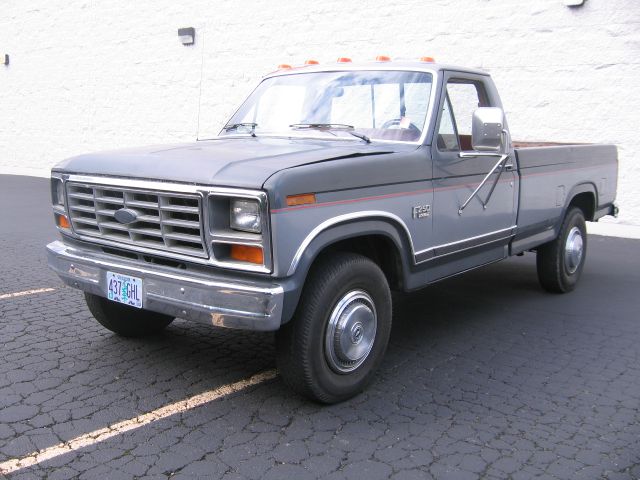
(486, 376)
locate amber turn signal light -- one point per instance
(427, 59)
(284, 66)
(383, 58)
(344, 60)
(62, 221)
(302, 199)
(247, 253)
(312, 62)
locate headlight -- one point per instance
(57, 192)
(245, 215)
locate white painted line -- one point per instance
(26, 292)
(100, 435)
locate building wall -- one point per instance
(87, 75)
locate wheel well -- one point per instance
(586, 202)
(379, 248)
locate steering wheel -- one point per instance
(395, 122)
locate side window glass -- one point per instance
(447, 138)
(464, 97)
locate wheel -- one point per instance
(332, 347)
(560, 261)
(125, 320)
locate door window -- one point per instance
(447, 138)
(463, 98)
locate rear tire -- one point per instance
(332, 347)
(560, 262)
(125, 320)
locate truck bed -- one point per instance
(520, 144)
(551, 175)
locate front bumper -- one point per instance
(215, 300)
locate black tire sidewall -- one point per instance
(124, 320)
(361, 274)
(575, 218)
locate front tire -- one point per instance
(332, 347)
(560, 262)
(125, 320)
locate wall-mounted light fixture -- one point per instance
(187, 35)
(6, 59)
(574, 3)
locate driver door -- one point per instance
(480, 233)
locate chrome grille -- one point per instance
(165, 220)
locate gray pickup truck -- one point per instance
(329, 188)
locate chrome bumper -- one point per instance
(194, 296)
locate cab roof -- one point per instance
(411, 65)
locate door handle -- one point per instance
(509, 167)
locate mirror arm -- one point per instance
(507, 144)
(474, 154)
(493, 187)
(499, 164)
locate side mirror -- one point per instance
(486, 130)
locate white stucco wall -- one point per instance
(87, 75)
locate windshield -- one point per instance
(376, 105)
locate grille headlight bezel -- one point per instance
(214, 218)
(225, 231)
(57, 192)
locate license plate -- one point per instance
(124, 289)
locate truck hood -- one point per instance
(245, 162)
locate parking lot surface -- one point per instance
(486, 376)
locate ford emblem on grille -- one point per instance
(126, 215)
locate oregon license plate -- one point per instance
(124, 289)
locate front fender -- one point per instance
(336, 230)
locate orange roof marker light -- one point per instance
(344, 60)
(312, 62)
(427, 59)
(284, 66)
(383, 58)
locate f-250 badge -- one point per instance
(421, 211)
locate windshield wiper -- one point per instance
(327, 126)
(235, 126)
(359, 135)
(320, 126)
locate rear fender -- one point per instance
(586, 187)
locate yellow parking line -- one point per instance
(103, 434)
(26, 292)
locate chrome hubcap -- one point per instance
(351, 331)
(573, 250)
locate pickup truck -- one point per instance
(331, 187)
